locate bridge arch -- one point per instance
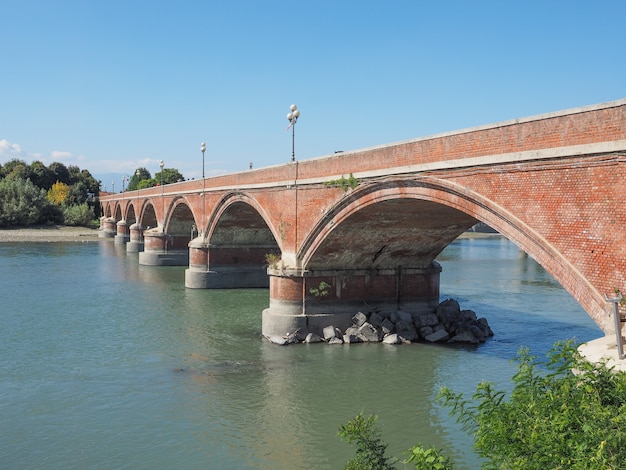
(106, 209)
(147, 215)
(179, 223)
(234, 251)
(408, 222)
(239, 229)
(130, 215)
(240, 211)
(117, 212)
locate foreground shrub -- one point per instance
(370, 449)
(554, 418)
(563, 413)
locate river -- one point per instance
(106, 364)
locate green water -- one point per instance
(107, 364)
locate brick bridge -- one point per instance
(361, 229)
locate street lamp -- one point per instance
(124, 180)
(161, 165)
(137, 174)
(113, 187)
(202, 149)
(292, 117)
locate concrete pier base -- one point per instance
(122, 236)
(156, 252)
(225, 278)
(164, 258)
(311, 300)
(249, 273)
(135, 244)
(108, 228)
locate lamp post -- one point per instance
(292, 117)
(161, 165)
(113, 187)
(122, 206)
(202, 149)
(137, 174)
(124, 180)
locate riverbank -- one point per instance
(48, 233)
(62, 233)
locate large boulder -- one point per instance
(465, 337)
(331, 332)
(406, 330)
(439, 335)
(392, 339)
(376, 319)
(359, 318)
(399, 315)
(367, 332)
(426, 319)
(387, 326)
(312, 338)
(447, 312)
(351, 339)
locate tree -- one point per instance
(139, 175)
(41, 175)
(170, 175)
(21, 203)
(16, 169)
(149, 183)
(74, 194)
(60, 172)
(554, 418)
(58, 193)
(73, 172)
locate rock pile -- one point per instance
(447, 323)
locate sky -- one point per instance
(111, 86)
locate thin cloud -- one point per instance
(60, 155)
(9, 150)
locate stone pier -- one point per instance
(312, 300)
(135, 243)
(160, 250)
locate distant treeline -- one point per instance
(54, 194)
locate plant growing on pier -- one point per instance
(272, 260)
(321, 290)
(343, 183)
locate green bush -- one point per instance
(80, 214)
(21, 203)
(427, 459)
(563, 413)
(370, 449)
(553, 418)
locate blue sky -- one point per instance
(114, 85)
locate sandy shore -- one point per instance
(52, 233)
